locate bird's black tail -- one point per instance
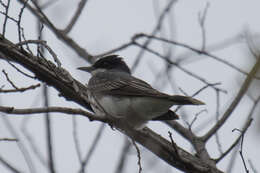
(170, 115)
(184, 100)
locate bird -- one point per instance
(114, 92)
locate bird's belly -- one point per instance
(135, 110)
(145, 107)
(150, 108)
(116, 106)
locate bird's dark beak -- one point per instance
(87, 69)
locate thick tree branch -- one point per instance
(46, 71)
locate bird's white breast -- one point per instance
(136, 110)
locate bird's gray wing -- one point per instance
(122, 85)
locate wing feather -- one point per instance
(122, 84)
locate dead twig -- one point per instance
(138, 156)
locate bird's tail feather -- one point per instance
(184, 100)
(170, 115)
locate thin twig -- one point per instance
(70, 111)
(34, 146)
(122, 161)
(202, 19)
(59, 33)
(20, 89)
(217, 118)
(117, 49)
(92, 148)
(20, 71)
(235, 102)
(241, 149)
(244, 129)
(232, 159)
(196, 117)
(20, 144)
(9, 166)
(75, 138)
(49, 134)
(19, 28)
(174, 146)
(175, 64)
(8, 79)
(157, 28)
(252, 166)
(75, 17)
(248, 123)
(9, 17)
(6, 15)
(137, 36)
(44, 43)
(8, 139)
(138, 156)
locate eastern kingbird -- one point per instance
(113, 91)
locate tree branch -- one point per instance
(235, 102)
(12, 110)
(37, 12)
(74, 19)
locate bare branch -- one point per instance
(252, 166)
(137, 36)
(60, 34)
(19, 28)
(217, 118)
(74, 19)
(33, 146)
(25, 153)
(8, 139)
(123, 157)
(44, 43)
(157, 28)
(75, 138)
(8, 79)
(177, 65)
(248, 123)
(8, 165)
(6, 15)
(49, 138)
(195, 118)
(138, 156)
(235, 102)
(244, 129)
(20, 71)
(202, 18)
(46, 72)
(241, 149)
(120, 48)
(12, 110)
(92, 148)
(20, 89)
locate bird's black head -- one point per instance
(112, 62)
